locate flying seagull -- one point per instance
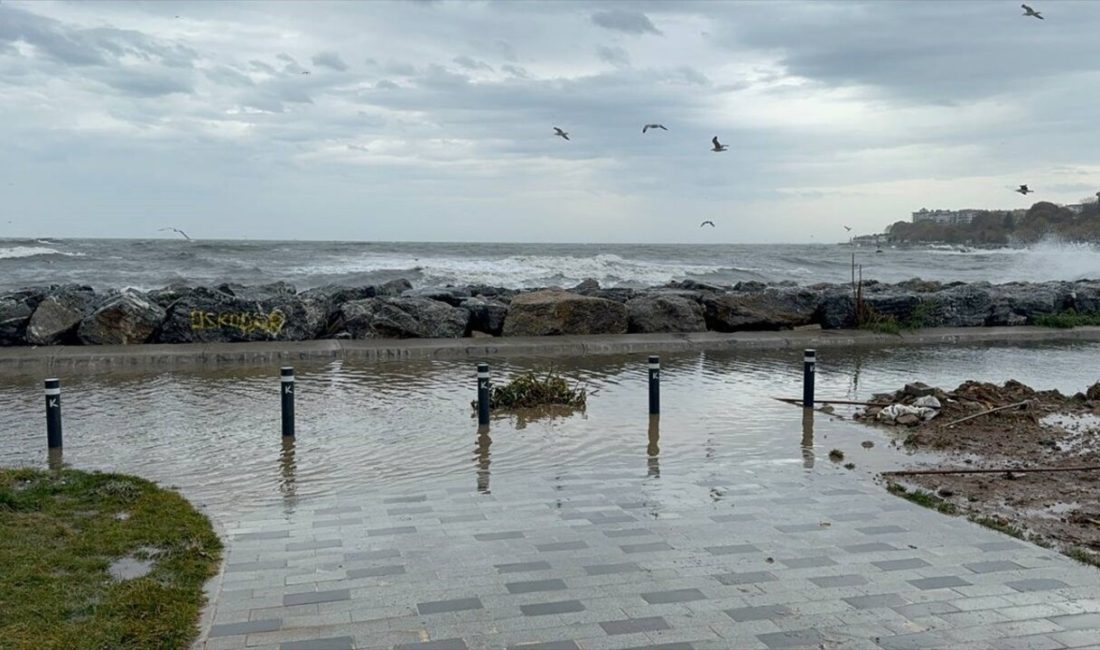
(706, 222)
(176, 230)
(848, 228)
(1023, 189)
(559, 132)
(1028, 11)
(653, 126)
(717, 145)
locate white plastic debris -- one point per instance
(928, 401)
(894, 411)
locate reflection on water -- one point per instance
(216, 432)
(481, 457)
(288, 473)
(653, 449)
(808, 438)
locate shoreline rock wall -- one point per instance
(77, 315)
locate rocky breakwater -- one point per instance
(78, 315)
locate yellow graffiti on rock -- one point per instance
(244, 322)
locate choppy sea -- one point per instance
(148, 264)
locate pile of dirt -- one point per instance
(1018, 429)
(1039, 429)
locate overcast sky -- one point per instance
(432, 121)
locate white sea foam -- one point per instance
(27, 251)
(525, 270)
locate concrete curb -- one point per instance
(185, 355)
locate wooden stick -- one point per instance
(793, 400)
(978, 415)
(1005, 470)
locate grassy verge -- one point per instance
(60, 532)
(925, 499)
(1066, 320)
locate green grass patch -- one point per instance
(59, 533)
(923, 498)
(881, 323)
(536, 389)
(1084, 556)
(999, 525)
(1066, 320)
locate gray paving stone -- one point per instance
(631, 625)
(676, 645)
(608, 569)
(231, 629)
(746, 578)
(376, 572)
(1000, 546)
(410, 510)
(649, 547)
(672, 596)
(546, 645)
(801, 528)
(453, 605)
(760, 613)
(562, 546)
(529, 586)
(490, 537)
(628, 532)
(993, 566)
(731, 549)
(330, 643)
(520, 567)
(870, 547)
(808, 562)
(877, 600)
(731, 519)
(940, 582)
(1036, 642)
(920, 641)
(313, 597)
(1079, 622)
(792, 638)
(265, 534)
(418, 498)
(259, 565)
(459, 519)
(1036, 584)
(851, 580)
(395, 530)
(556, 607)
(382, 554)
(314, 545)
(441, 644)
(924, 610)
(882, 530)
(899, 565)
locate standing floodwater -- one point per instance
(216, 432)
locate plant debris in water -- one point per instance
(533, 389)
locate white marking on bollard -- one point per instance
(53, 391)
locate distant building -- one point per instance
(951, 217)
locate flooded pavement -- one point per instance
(215, 433)
(391, 521)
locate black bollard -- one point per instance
(483, 394)
(53, 413)
(287, 391)
(654, 385)
(809, 363)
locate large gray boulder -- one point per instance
(837, 310)
(551, 312)
(58, 316)
(16, 309)
(403, 318)
(960, 306)
(772, 309)
(235, 313)
(453, 296)
(664, 312)
(486, 315)
(123, 318)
